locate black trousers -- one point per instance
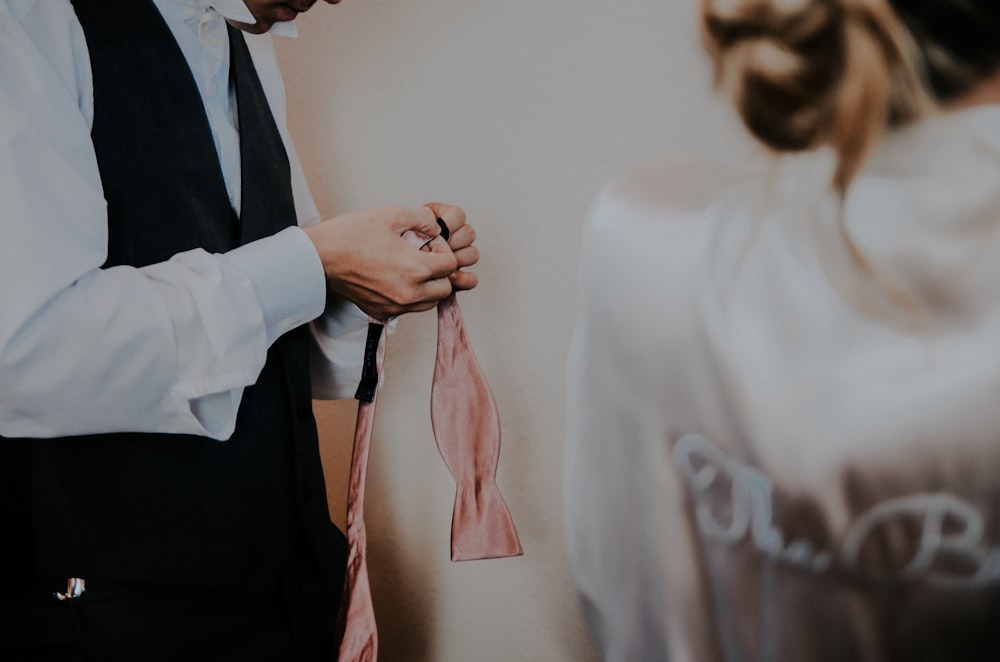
(114, 622)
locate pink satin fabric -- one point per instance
(356, 623)
(466, 426)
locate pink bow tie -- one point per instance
(466, 426)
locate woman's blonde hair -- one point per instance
(806, 73)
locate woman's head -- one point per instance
(805, 73)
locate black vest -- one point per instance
(177, 509)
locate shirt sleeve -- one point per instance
(339, 334)
(165, 348)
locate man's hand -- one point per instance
(368, 262)
(460, 241)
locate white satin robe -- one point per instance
(780, 451)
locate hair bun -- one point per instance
(805, 73)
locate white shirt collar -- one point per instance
(232, 9)
(235, 10)
(238, 11)
(285, 29)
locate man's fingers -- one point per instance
(437, 289)
(452, 216)
(420, 219)
(466, 257)
(439, 259)
(464, 280)
(423, 222)
(462, 237)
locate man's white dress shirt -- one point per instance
(165, 348)
(783, 446)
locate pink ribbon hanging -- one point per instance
(466, 426)
(356, 621)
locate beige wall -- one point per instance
(518, 111)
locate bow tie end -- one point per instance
(482, 527)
